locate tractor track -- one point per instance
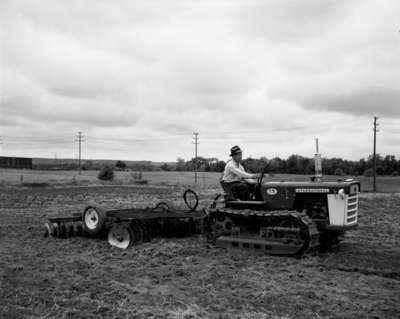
(273, 218)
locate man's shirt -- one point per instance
(234, 172)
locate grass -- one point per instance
(16, 177)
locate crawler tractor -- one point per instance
(284, 218)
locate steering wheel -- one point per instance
(259, 181)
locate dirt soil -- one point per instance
(84, 277)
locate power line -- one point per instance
(79, 140)
(196, 142)
(375, 130)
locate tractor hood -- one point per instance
(282, 194)
(349, 186)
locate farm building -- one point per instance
(15, 162)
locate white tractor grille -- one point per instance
(352, 209)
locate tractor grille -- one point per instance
(352, 209)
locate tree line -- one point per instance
(295, 164)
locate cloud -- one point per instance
(141, 77)
(288, 21)
(378, 101)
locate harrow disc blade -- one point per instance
(78, 229)
(120, 236)
(187, 228)
(69, 230)
(192, 225)
(157, 228)
(153, 229)
(47, 229)
(61, 231)
(137, 231)
(180, 229)
(167, 229)
(55, 230)
(146, 232)
(174, 228)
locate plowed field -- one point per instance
(186, 278)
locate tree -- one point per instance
(389, 164)
(368, 172)
(165, 167)
(106, 173)
(338, 172)
(291, 164)
(88, 165)
(276, 165)
(180, 164)
(121, 165)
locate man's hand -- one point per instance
(250, 180)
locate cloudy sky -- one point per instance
(139, 77)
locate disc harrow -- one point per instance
(127, 227)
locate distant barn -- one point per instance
(15, 162)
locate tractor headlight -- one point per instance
(354, 189)
(341, 193)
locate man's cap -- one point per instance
(235, 150)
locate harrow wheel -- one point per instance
(120, 236)
(93, 219)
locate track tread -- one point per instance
(313, 234)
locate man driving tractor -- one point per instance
(236, 178)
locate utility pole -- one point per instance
(375, 130)
(1, 149)
(79, 140)
(196, 142)
(317, 162)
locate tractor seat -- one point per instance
(227, 190)
(225, 187)
(230, 196)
